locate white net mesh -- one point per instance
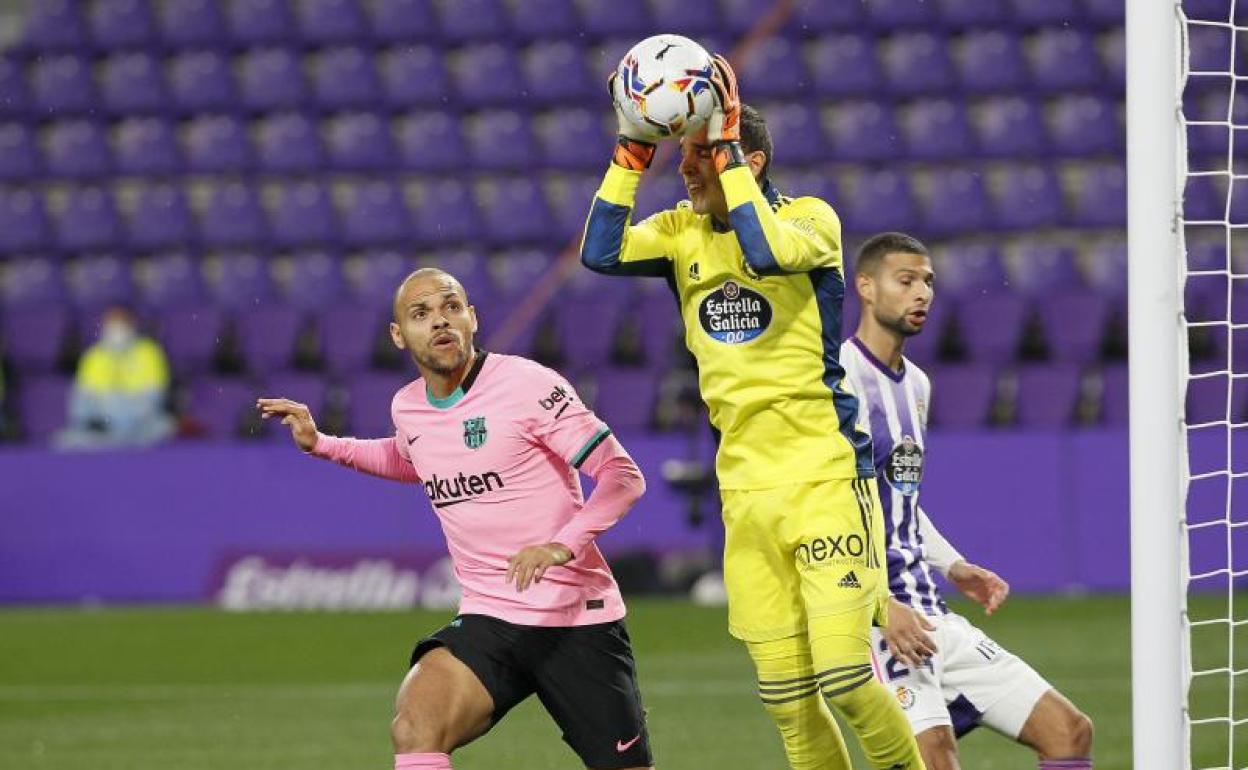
(1214, 277)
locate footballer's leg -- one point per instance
(1059, 733)
(441, 705)
(939, 747)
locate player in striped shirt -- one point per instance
(496, 442)
(948, 675)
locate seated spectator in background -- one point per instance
(120, 389)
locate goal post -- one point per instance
(1158, 366)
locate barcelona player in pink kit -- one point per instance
(496, 442)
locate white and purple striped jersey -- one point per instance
(894, 407)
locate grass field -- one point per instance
(193, 688)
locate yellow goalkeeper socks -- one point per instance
(841, 648)
(789, 689)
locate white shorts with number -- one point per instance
(970, 681)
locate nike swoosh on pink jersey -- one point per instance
(621, 746)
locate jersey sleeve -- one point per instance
(381, 457)
(940, 553)
(555, 417)
(803, 235)
(612, 245)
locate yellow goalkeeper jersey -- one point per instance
(761, 302)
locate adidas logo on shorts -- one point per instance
(849, 581)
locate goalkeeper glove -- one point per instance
(723, 130)
(633, 150)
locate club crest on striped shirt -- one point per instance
(475, 432)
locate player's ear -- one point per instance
(472, 313)
(757, 160)
(396, 336)
(864, 286)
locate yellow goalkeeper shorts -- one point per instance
(799, 552)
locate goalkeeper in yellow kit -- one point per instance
(760, 284)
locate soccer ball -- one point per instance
(663, 86)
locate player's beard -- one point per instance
(898, 324)
(439, 365)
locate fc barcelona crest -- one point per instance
(474, 432)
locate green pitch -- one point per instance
(196, 688)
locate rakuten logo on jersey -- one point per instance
(462, 488)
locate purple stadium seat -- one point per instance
(431, 141)
(330, 22)
(690, 18)
(863, 131)
(168, 280)
(147, 147)
(991, 61)
(845, 65)
(445, 213)
(1107, 269)
(345, 79)
(272, 79)
(472, 20)
(30, 282)
(77, 148)
(1075, 321)
(891, 14)
(1085, 125)
(62, 86)
(1043, 268)
(374, 214)
(309, 389)
(24, 224)
(190, 335)
(775, 70)
(545, 19)
(956, 202)
(368, 411)
(795, 131)
(1028, 197)
(616, 18)
(513, 273)
(88, 220)
(575, 138)
(192, 23)
(160, 219)
(655, 194)
(881, 200)
(97, 282)
(1107, 12)
(266, 337)
(487, 74)
(373, 276)
(973, 13)
(918, 63)
(970, 270)
(1010, 127)
(813, 16)
(221, 405)
(992, 326)
(309, 280)
(349, 334)
(1064, 60)
(555, 72)
(15, 100)
(42, 404)
(261, 22)
(937, 129)
(1115, 408)
(586, 325)
(472, 269)
(1053, 13)
(1113, 49)
(200, 81)
(19, 156)
(967, 393)
(414, 76)
(514, 211)
(54, 25)
(816, 183)
(1047, 395)
(303, 215)
(401, 21)
(1101, 199)
(122, 24)
(740, 16)
(569, 198)
(501, 140)
(289, 143)
(361, 142)
(33, 336)
(237, 280)
(217, 143)
(624, 398)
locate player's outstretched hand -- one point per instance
(985, 587)
(907, 635)
(528, 566)
(294, 414)
(725, 122)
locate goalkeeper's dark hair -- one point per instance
(872, 252)
(755, 137)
